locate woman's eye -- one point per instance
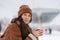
(29, 16)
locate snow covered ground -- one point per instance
(54, 36)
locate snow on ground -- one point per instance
(54, 36)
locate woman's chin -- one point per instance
(26, 22)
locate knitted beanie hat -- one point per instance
(24, 9)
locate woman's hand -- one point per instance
(38, 32)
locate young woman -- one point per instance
(19, 28)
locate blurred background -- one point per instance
(46, 14)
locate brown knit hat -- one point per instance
(24, 9)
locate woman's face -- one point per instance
(26, 17)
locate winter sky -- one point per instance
(9, 8)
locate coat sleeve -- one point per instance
(12, 33)
(28, 38)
